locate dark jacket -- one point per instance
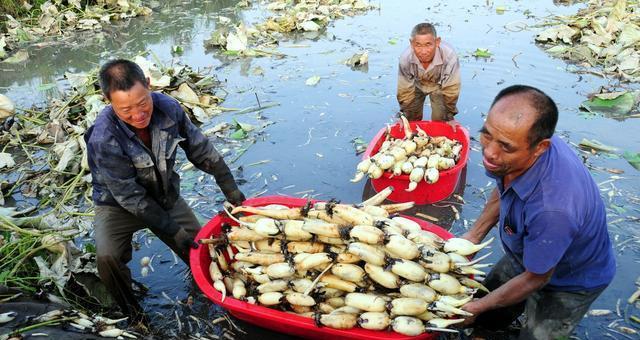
(126, 173)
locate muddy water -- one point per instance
(309, 149)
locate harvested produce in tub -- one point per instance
(345, 266)
(418, 155)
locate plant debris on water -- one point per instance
(258, 40)
(58, 17)
(605, 34)
(43, 165)
(612, 104)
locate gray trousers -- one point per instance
(549, 314)
(414, 109)
(114, 228)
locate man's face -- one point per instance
(134, 106)
(505, 148)
(424, 46)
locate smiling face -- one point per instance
(425, 46)
(133, 106)
(506, 151)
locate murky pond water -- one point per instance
(309, 149)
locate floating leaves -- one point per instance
(241, 130)
(482, 53)
(7, 108)
(6, 160)
(611, 104)
(563, 33)
(58, 18)
(605, 34)
(596, 145)
(236, 42)
(500, 10)
(312, 81)
(633, 159)
(177, 49)
(17, 57)
(358, 59)
(309, 26)
(359, 144)
(287, 17)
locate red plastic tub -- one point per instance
(273, 319)
(425, 193)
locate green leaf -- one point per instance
(89, 248)
(22, 35)
(359, 144)
(500, 9)
(596, 145)
(633, 159)
(393, 41)
(243, 126)
(482, 53)
(177, 49)
(4, 275)
(238, 134)
(611, 104)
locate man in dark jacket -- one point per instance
(132, 151)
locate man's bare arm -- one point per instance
(487, 219)
(513, 291)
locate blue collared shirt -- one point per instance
(553, 216)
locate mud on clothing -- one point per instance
(126, 173)
(135, 186)
(440, 81)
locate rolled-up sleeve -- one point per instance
(119, 175)
(549, 235)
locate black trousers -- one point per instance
(549, 314)
(114, 228)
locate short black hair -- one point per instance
(120, 75)
(423, 28)
(545, 124)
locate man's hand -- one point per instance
(454, 124)
(470, 237)
(236, 197)
(472, 308)
(184, 240)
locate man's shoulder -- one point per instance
(566, 183)
(164, 102)
(447, 50)
(406, 57)
(104, 126)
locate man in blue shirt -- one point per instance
(131, 152)
(551, 220)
